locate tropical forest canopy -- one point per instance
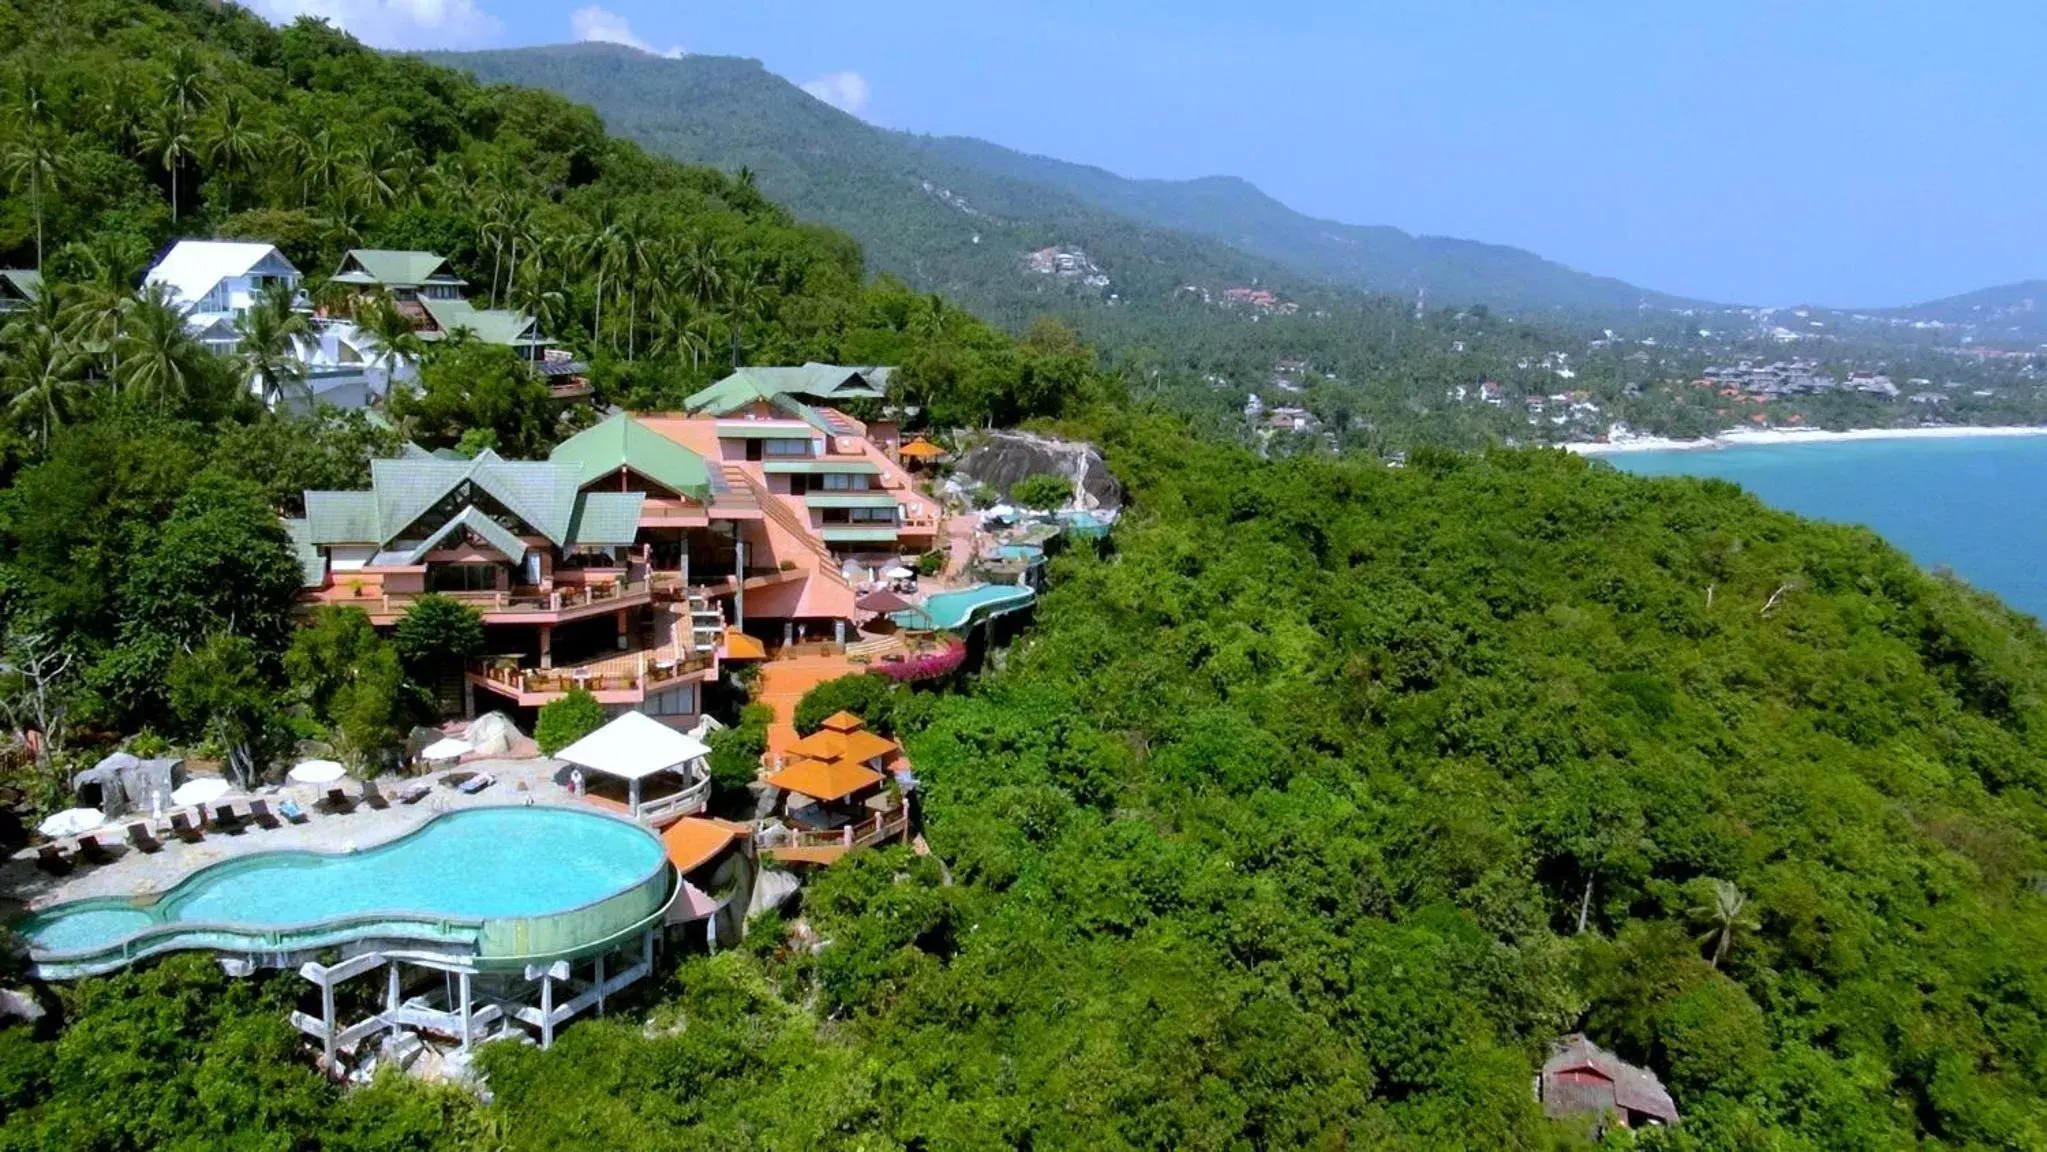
(1307, 813)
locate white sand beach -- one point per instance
(1738, 437)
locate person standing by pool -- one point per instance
(576, 782)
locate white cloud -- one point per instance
(594, 23)
(401, 24)
(846, 91)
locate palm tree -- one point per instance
(183, 82)
(168, 140)
(700, 270)
(270, 333)
(159, 359)
(531, 295)
(319, 164)
(1723, 915)
(42, 372)
(602, 252)
(34, 160)
(97, 306)
(388, 334)
(677, 327)
(231, 143)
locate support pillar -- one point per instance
(739, 584)
(788, 633)
(464, 980)
(327, 1022)
(547, 645)
(600, 983)
(838, 631)
(632, 803)
(624, 626)
(546, 1011)
(391, 997)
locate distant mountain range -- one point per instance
(961, 215)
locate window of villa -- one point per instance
(872, 515)
(681, 701)
(786, 447)
(463, 578)
(845, 482)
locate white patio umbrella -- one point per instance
(72, 821)
(446, 748)
(316, 772)
(203, 790)
(899, 573)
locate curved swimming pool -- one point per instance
(957, 609)
(500, 883)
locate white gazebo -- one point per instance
(664, 771)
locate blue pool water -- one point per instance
(1976, 506)
(1019, 552)
(474, 865)
(956, 609)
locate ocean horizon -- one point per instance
(1976, 506)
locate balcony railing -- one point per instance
(859, 834)
(562, 599)
(648, 674)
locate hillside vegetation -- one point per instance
(1306, 814)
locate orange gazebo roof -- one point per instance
(693, 840)
(740, 646)
(843, 721)
(825, 780)
(921, 449)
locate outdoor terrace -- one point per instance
(513, 606)
(622, 678)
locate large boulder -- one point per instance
(1001, 459)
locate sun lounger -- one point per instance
(414, 792)
(222, 815)
(139, 834)
(260, 813)
(90, 848)
(477, 783)
(373, 796)
(290, 810)
(187, 828)
(337, 798)
(51, 857)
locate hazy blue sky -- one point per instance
(1855, 152)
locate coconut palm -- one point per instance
(167, 139)
(43, 373)
(269, 347)
(678, 326)
(96, 305)
(160, 362)
(231, 143)
(184, 80)
(388, 334)
(1725, 913)
(33, 160)
(700, 270)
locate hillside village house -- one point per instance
(19, 288)
(1582, 1079)
(646, 549)
(215, 283)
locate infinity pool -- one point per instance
(479, 865)
(947, 610)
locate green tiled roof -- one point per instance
(341, 518)
(824, 467)
(849, 500)
(312, 565)
(502, 326)
(623, 442)
(540, 492)
(393, 269)
(606, 518)
(493, 533)
(817, 381)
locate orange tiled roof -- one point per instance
(825, 780)
(693, 840)
(843, 721)
(740, 646)
(921, 448)
(820, 745)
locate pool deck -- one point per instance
(24, 886)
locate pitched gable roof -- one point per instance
(500, 326)
(623, 442)
(394, 269)
(469, 519)
(21, 283)
(817, 381)
(192, 267)
(539, 492)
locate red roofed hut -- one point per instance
(1583, 1079)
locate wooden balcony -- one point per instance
(626, 678)
(796, 846)
(515, 606)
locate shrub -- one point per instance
(567, 720)
(736, 752)
(931, 563)
(1044, 490)
(864, 694)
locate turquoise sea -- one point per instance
(1975, 506)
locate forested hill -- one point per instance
(1374, 258)
(2009, 312)
(940, 226)
(1150, 236)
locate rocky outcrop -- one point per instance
(1000, 459)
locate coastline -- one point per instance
(1772, 437)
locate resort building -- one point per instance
(645, 550)
(215, 282)
(407, 278)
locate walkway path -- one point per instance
(782, 685)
